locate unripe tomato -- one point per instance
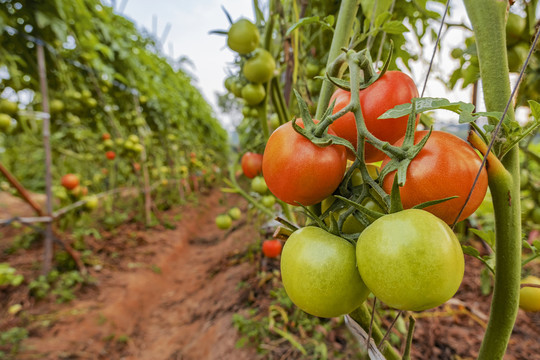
(223, 221)
(268, 201)
(243, 36)
(235, 213)
(351, 225)
(251, 164)
(298, 171)
(271, 248)
(133, 138)
(110, 155)
(91, 202)
(260, 67)
(70, 181)
(8, 107)
(56, 106)
(411, 260)
(5, 122)
(392, 89)
(259, 185)
(253, 93)
(446, 166)
(529, 297)
(319, 273)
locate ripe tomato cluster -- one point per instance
(409, 259)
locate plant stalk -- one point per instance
(345, 21)
(488, 18)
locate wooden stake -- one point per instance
(48, 246)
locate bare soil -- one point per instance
(171, 293)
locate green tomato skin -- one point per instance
(319, 273)
(260, 68)
(410, 260)
(243, 36)
(253, 93)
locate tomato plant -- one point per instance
(243, 36)
(298, 171)
(319, 273)
(446, 166)
(70, 181)
(251, 164)
(271, 248)
(411, 260)
(391, 89)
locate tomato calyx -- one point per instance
(317, 133)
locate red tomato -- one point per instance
(70, 181)
(251, 164)
(110, 155)
(106, 136)
(271, 248)
(446, 166)
(392, 89)
(298, 171)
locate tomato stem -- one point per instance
(488, 18)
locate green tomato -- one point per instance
(268, 201)
(411, 260)
(259, 185)
(8, 107)
(529, 297)
(91, 202)
(223, 221)
(243, 36)
(260, 67)
(235, 213)
(312, 69)
(516, 56)
(253, 94)
(351, 225)
(5, 122)
(319, 273)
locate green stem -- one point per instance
(345, 21)
(362, 316)
(488, 20)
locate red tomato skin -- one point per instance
(392, 89)
(110, 155)
(446, 166)
(271, 248)
(251, 164)
(298, 171)
(70, 181)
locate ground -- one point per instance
(171, 294)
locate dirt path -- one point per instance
(179, 310)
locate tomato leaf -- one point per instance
(394, 27)
(368, 212)
(433, 202)
(312, 20)
(487, 236)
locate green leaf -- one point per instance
(394, 27)
(382, 18)
(291, 338)
(307, 21)
(469, 250)
(535, 109)
(487, 236)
